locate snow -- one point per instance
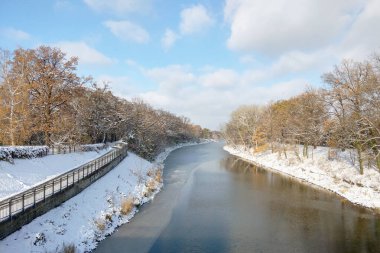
(25, 173)
(90, 216)
(339, 175)
(7, 153)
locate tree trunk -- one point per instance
(104, 138)
(360, 158)
(306, 150)
(11, 123)
(378, 162)
(284, 150)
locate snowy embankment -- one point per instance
(25, 173)
(89, 217)
(338, 175)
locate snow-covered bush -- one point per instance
(8, 153)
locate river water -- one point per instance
(215, 202)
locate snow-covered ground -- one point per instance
(93, 214)
(25, 173)
(338, 175)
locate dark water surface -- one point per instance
(215, 202)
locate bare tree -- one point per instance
(13, 95)
(349, 87)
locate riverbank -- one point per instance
(338, 175)
(96, 212)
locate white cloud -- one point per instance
(220, 79)
(119, 6)
(127, 31)
(291, 63)
(297, 61)
(121, 86)
(172, 77)
(362, 38)
(85, 53)
(279, 26)
(195, 19)
(247, 59)
(15, 34)
(169, 39)
(208, 97)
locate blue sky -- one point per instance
(200, 59)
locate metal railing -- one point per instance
(28, 199)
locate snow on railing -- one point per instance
(65, 148)
(28, 199)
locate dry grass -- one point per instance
(343, 189)
(127, 206)
(262, 148)
(108, 217)
(150, 173)
(158, 176)
(151, 185)
(68, 248)
(100, 224)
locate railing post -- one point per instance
(44, 192)
(34, 197)
(23, 202)
(67, 180)
(53, 188)
(60, 184)
(10, 209)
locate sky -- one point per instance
(199, 59)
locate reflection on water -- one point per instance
(214, 202)
(322, 220)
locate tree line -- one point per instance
(43, 101)
(345, 114)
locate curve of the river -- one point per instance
(215, 202)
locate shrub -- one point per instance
(108, 217)
(100, 224)
(8, 153)
(151, 185)
(127, 206)
(158, 176)
(67, 248)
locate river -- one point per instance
(215, 202)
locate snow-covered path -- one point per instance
(26, 173)
(96, 212)
(338, 175)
